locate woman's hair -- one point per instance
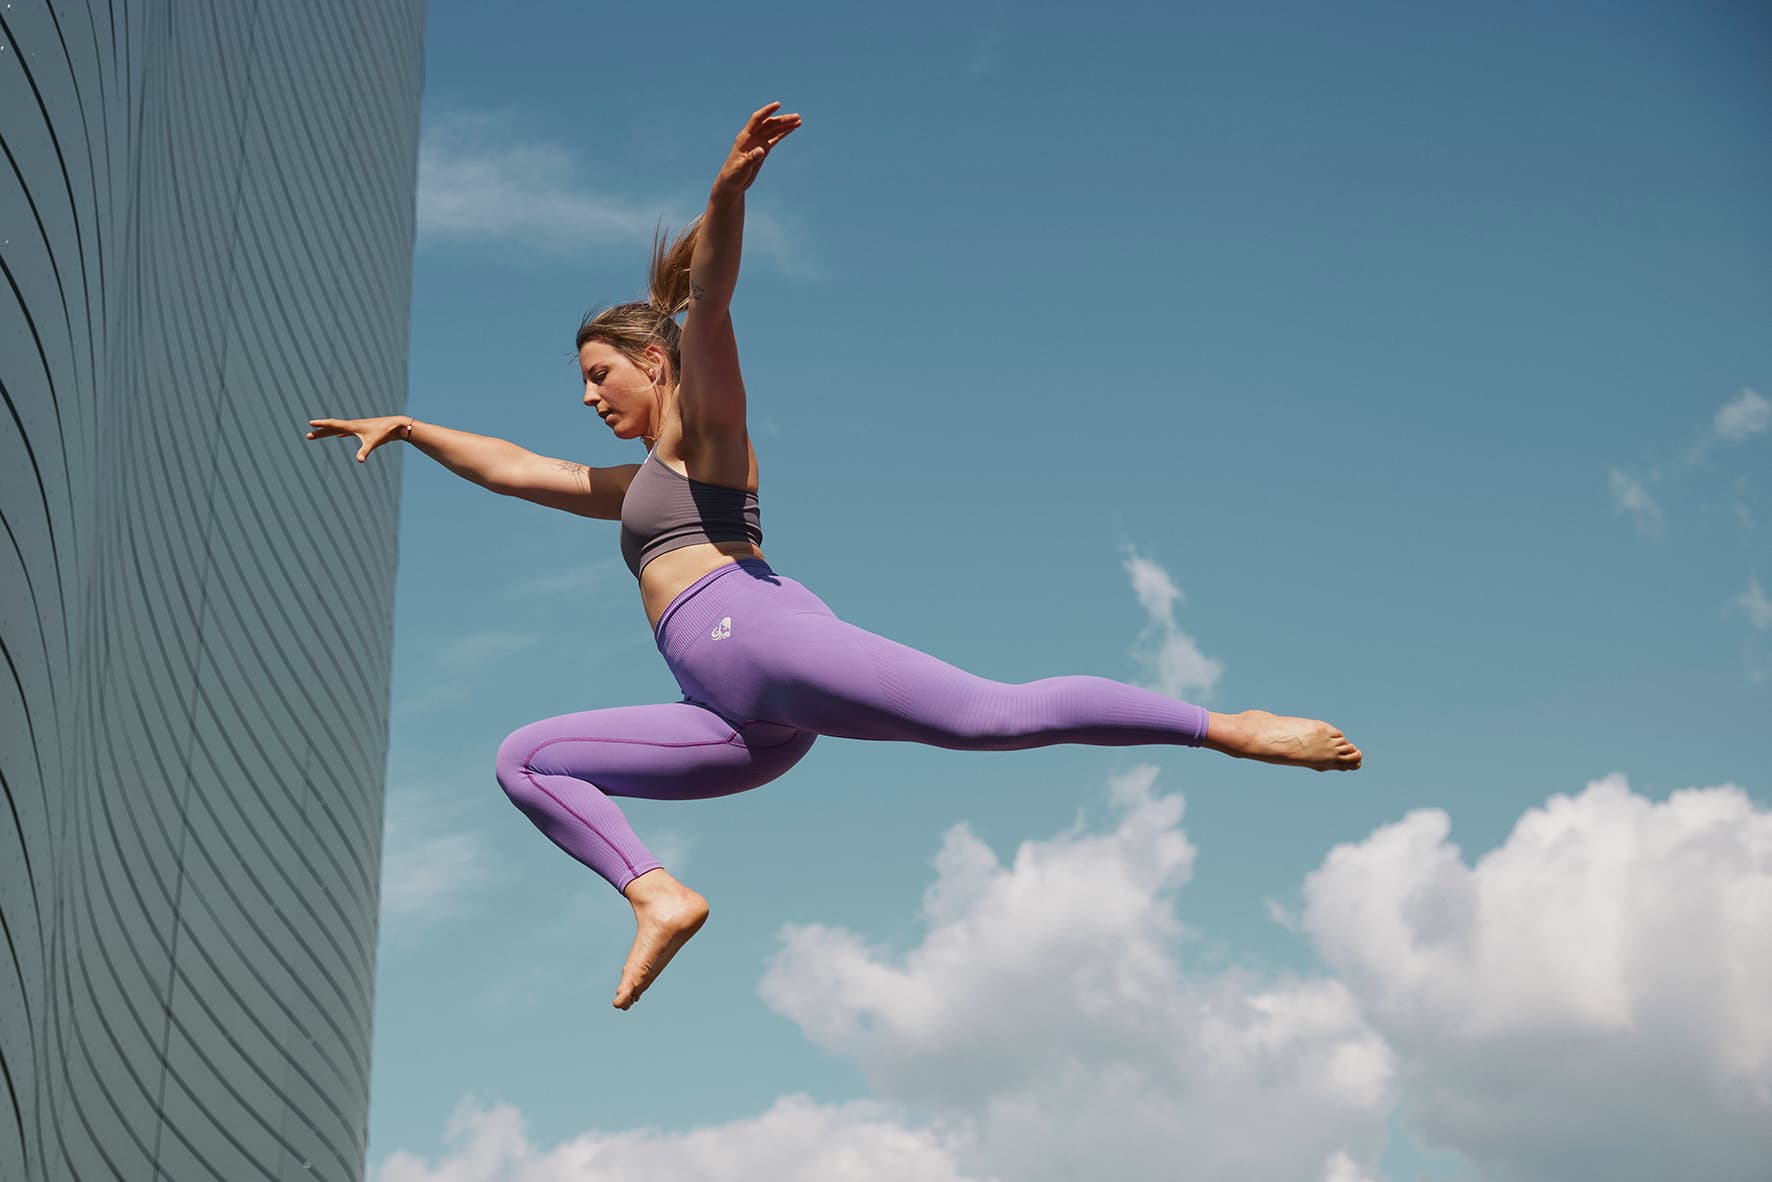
(632, 326)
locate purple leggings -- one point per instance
(765, 668)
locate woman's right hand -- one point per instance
(370, 433)
(761, 132)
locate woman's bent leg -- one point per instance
(562, 771)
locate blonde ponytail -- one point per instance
(670, 286)
(631, 327)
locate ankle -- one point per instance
(1228, 733)
(649, 885)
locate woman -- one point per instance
(765, 667)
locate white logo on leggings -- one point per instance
(723, 629)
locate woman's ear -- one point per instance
(658, 366)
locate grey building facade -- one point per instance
(206, 228)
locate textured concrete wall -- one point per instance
(206, 224)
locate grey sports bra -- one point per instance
(665, 510)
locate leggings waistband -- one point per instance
(757, 565)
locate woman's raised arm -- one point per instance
(495, 464)
(713, 268)
(710, 389)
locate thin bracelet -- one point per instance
(410, 424)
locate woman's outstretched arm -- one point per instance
(712, 394)
(492, 463)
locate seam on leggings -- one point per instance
(529, 772)
(641, 742)
(728, 740)
(592, 829)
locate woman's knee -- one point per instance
(512, 764)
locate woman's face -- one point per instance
(624, 394)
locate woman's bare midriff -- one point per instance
(721, 462)
(665, 577)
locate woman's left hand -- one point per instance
(762, 131)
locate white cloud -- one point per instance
(1156, 591)
(1753, 604)
(1588, 1000)
(479, 180)
(1281, 915)
(426, 876)
(796, 1140)
(1629, 496)
(1342, 1168)
(1179, 668)
(1044, 1017)
(1747, 415)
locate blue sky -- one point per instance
(1400, 365)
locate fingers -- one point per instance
(329, 428)
(761, 126)
(762, 131)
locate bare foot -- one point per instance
(666, 914)
(1276, 738)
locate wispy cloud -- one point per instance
(427, 875)
(478, 181)
(585, 577)
(987, 51)
(456, 665)
(1736, 421)
(480, 648)
(1172, 657)
(1630, 496)
(1747, 415)
(481, 181)
(1753, 604)
(780, 240)
(986, 54)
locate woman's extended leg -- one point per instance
(758, 645)
(837, 679)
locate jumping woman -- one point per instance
(765, 667)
